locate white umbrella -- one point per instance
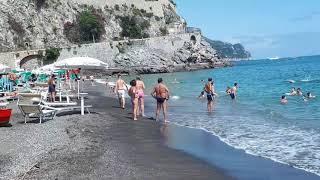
(4, 69)
(80, 62)
(47, 69)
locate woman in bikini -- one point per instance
(133, 93)
(140, 88)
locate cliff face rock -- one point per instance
(228, 50)
(162, 42)
(34, 24)
(156, 60)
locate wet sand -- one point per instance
(106, 144)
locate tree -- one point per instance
(90, 28)
(51, 56)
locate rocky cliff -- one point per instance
(43, 24)
(228, 50)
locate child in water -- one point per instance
(284, 100)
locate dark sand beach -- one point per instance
(107, 144)
(103, 145)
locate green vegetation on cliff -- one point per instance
(133, 27)
(88, 27)
(51, 55)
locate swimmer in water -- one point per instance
(299, 92)
(228, 90)
(201, 96)
(175, 81)
(293, 92)
(308, 96)
(284, 100)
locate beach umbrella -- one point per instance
(47, 69)
(4, 69)
(80, 62)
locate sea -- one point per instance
(255, 122)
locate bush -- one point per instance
(133, 28)
(157, 18)
(164, 31)
(72, 32)
(51, 56)
(117, 7)
(39, 3)
(16, 26)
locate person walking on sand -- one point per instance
(140, 88)
(161, 94)
(134, 94)
(233, 92)
(209, 89)
(120, 91)
(52, 88)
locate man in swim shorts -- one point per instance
(233, 93)
(120, 91)
(161, 94)
(209, 89)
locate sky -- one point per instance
(267, 28)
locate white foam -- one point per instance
(291, 81)
(288, 145)
(175, 97)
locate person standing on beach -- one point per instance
(233, 93)
(161, 94)
(134, 94)
(52, 88)
(120, 91)
(140, 88)
(209, 89)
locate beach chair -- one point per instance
(30, 107)
(37, 111)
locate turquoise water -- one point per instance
(255, 122)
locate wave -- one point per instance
(250, 152)
(291, 81)
(175, 97)
(310, 80)
(263, 137)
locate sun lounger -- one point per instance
(73, 108)
(3, 105)
(58, 104)
(37, 111)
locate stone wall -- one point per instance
(108, 51)
(154, 6)
(13, 59)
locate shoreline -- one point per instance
(235, 162)
(107, 144)
(157, 69)
(103, 145)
